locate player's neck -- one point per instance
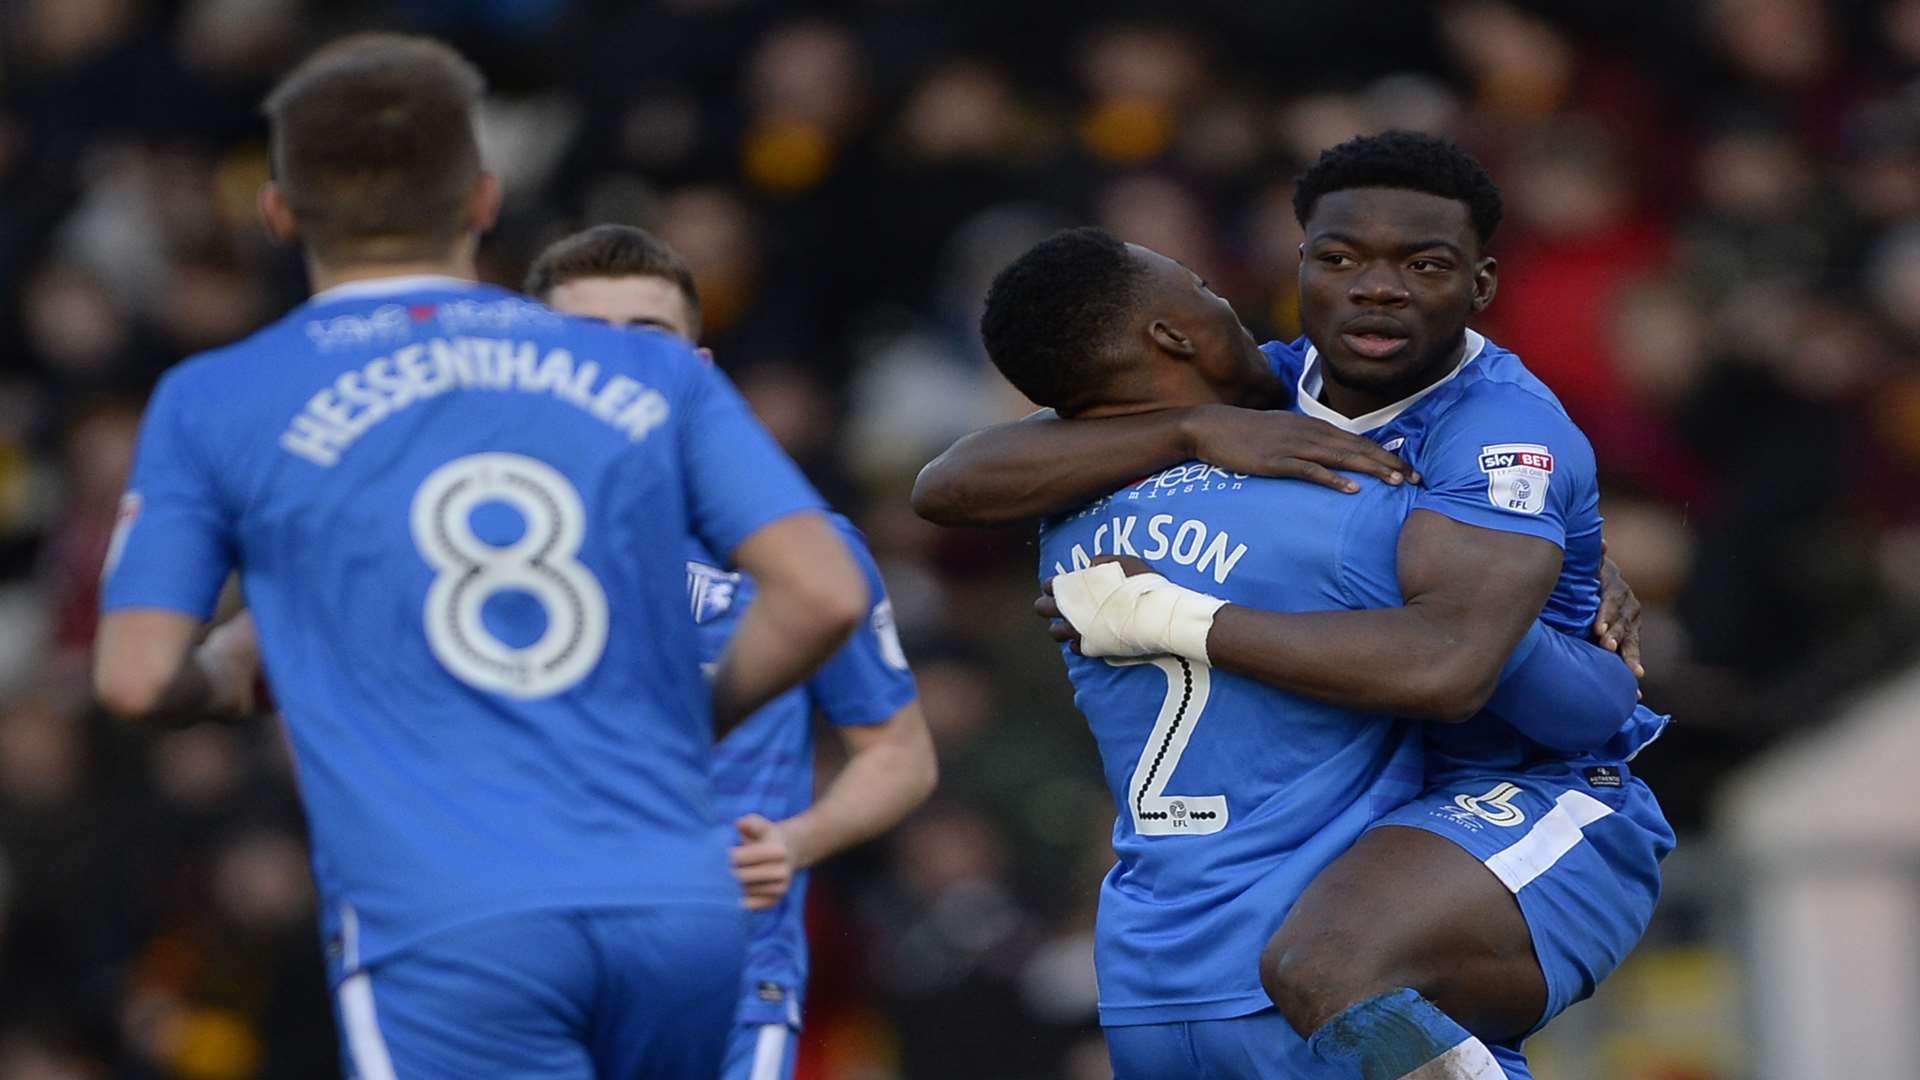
(1150, 397)
(1351, 401)
(322, 277)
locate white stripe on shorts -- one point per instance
(770, 1053)
(1556, 834)
(364, 1042)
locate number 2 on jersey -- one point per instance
(1155, 813)
(540, 563)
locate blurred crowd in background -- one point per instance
(1711, 251)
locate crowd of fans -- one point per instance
(1712, 252)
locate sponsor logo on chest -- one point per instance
(1185, 479)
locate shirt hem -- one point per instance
(399, 946)
(1213, 1009)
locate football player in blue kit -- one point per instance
(459, 520)
(763, 770)
(1463, 920)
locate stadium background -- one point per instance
(1712, 252)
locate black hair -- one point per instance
(1054, 312)
(1402, 159)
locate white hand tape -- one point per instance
(1143, 615)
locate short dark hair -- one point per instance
(374, 148)
(1053, 314)
(611, 251)
(1403, 159)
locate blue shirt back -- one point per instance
(765, 766)
(460, 521)
(1495, 449)
(1232, 795)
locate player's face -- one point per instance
(1225, 354)
(626, 301)
(1388, 280)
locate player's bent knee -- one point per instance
(1312, 980)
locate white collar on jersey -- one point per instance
(388, 286)
(1308, 393)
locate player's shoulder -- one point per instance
(654, 356)
(1498, 377)
(1497, 403)
(1496, 386)
(230, 371)
(1286, 359)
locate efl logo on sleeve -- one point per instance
(1517, 476)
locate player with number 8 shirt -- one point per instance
(459, 520)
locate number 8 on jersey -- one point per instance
(540, 562)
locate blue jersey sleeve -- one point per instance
(1564, 693)
(1285, 360)
(738, 478)
(867, 681)
(1506, 459)
(174, 543)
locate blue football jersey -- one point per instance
(1495, 449)
(460, 520)
(1232, 795)
(765, 766)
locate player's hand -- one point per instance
(1617, 626)
(1286, 444)
(1047, 608)
(231, 658)
(763, 861)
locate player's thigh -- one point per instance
(761, 1052)
(1578, 847)
(669, 990)
(505, 997)
(1406, 907)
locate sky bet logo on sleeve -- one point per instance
(1517, 476)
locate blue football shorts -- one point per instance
(1258, 1046)
(1579, 844)
(551, 995)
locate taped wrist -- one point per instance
(1143, 615)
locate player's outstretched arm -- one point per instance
(1437, 657)
(811, 596)
(1470, 595)
(146, 667)
(1563, 692)
(1045, 465)
(890, 771)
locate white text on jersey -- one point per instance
(1188, 545)
(342, 412)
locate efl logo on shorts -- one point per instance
(1495, 806)
(1517, 476)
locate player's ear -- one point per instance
(276, 216)
(1486, 282)
(483, 206)
(1171, 339)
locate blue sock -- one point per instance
(1400, 1034)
